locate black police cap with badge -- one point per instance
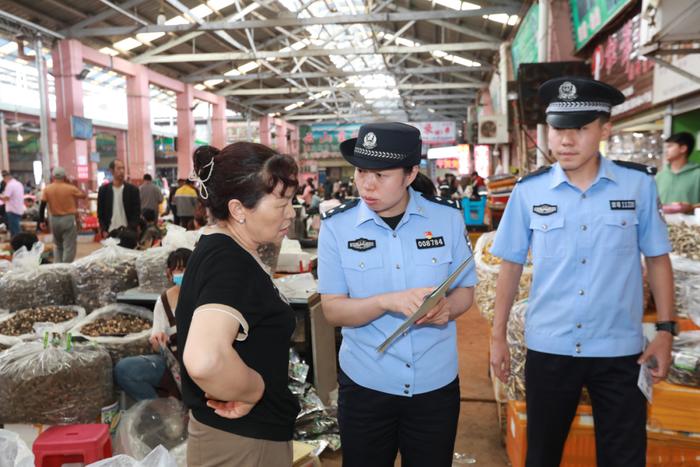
(383, 146)
(574, 101)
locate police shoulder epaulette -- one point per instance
(647, 169)
(444, 201)
(540, 171)
(342, 208)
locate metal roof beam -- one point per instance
(333, 74)
(315, 52)
(422, 15)
(402, 87)
(103, 15)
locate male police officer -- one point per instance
(586, 219)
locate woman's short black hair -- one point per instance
(178, 259)
(23, 239)
(242, 171)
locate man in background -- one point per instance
(679, 181)
(61, 198)
(13, 197)
(151, 196)
(118, 202)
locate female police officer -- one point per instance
(378, 257)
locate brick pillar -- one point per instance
(218, 123)
(141, 158)
(185, 131)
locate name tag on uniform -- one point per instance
(430, 242)
(544, 209)
(623, 204)
(362, 244)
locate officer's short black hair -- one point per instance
(683, 139)
(178, 259)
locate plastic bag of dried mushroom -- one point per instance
(685, 367)
(122, 329)
(150, 269)
(686, 280)
(684, 234)
(29, 284)
(487, 267)
(25, 324)
(54, 382)
(8, 341)
(515, 336)
(98, 278)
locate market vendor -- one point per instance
(142, 376)
(679, 182)
(586, 219)
(378, 257)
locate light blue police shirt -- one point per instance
(360, 256)
(586, 295)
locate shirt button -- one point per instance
(544, 226)
(362, 265)
(581, 292)
(578, 350)
(434, 260)
(579, 325)
(584, 227)
(405, 333)
(624, 223)
(398, 266)
(583, 196)
(407, 386)
(583, 261)
(405, 391)
(408, 365)
(393, 234)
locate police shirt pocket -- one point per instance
(619, 233)
(362, 269)
(548, 239)
(434, 258)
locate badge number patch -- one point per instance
(623, 204)
(432, 242)
(544, 209)
(362, 244)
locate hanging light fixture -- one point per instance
(160, 19)
(20, 138)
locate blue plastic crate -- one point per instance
(474, 211)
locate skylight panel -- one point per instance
(127, 44)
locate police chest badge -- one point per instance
(362, 244)
(544, 209)
(429, 241)
(370, 141)
(623, 204)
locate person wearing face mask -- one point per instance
(142, 376)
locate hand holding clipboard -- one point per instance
(428, 304)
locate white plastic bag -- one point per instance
(179, 237)
(35, 332)
(159, 457)
(13, 451)
(686, 279)
(158, 422)
(127, 345)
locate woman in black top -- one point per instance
(232, 323)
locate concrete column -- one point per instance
(141, 158)
(4, 146)
(265, 131)
(72, 153)
(121, 149)
(218, 123)
(185, 131)
(542, 56)
(281, 131)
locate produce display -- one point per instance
(685, 239)
(150, 270)
(515, 336)
(48, 284)
(122, 329)
(21, 323)
(685, 368)
(57, 384)
(487, 267)
(686, 280)
(98, 278)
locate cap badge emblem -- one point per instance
(370, 141)
(567, 91)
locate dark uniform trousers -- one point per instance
(374, 426)
(553, 386)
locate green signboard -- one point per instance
(590, 16)
(524, 48)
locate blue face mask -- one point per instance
(177, 278)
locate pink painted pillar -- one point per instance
(185, 131)
(141, 158)
(265, 131)
(218, 123)
(293, 145)
(72, 153)
(53, 142)
(121, 145)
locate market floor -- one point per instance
(478, 433)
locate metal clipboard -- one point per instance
(430, 301)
